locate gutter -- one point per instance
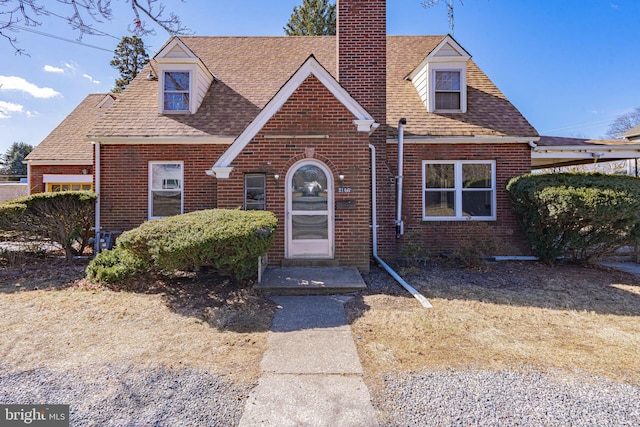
(399, 178)
(374, 227)
(96, 177)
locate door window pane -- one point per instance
(310, 227)
(309, 189)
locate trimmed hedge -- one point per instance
(230, 241)
(63, 217)
(584, 216)
(115, 266)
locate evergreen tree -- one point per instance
(11, 161)
(312, 18)
(129, 58)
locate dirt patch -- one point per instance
(51, 317)
(505, 316)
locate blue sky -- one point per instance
(569, 66)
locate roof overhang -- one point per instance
(62, 162)
(160, 140)
(479, 139)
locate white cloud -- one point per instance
(87, 76)
(18, 83)
(6, 108)
(31, 113)
(52, 69)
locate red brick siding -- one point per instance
(124, 180)
(444, 236)
(311, 110)
(36, 173)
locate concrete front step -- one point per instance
(310, 280)
(310, 263)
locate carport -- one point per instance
(555, 151)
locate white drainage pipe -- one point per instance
(374, 221)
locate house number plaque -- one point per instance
(344, 189)
(345, 205)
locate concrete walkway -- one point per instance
(312, 375)
(626, 266)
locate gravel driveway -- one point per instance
(484, 398)
(130, 396)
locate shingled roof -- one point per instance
(68, 140)
(632, 133)
(251, 70)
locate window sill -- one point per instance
(176, 112)
(447, 111)
(457, 219)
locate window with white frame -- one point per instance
(254, 191)
(458, 190)
(176, 91)
(165, 189)
(447, 90)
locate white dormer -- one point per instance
(441, 79)
(183, 80)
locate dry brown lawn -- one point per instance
(505, 316)
(50, 317)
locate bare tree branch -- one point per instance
(16, 13)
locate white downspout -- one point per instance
(96, 178)
(374, 227)
(399, 222)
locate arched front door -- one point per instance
(309, 211)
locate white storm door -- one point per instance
(309, 211)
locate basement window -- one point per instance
(459, 190)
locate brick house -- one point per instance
(64, 159)
(332, 134)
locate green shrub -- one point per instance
(64, 217)
(230, 241)
(115, 266)
(580, 215)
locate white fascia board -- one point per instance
(467, 140)
(162, 140)
(590, 148)
(47, 177)
(310, 66)
(54, 162)
(585, 154)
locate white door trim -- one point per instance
(309, 249)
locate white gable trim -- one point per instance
(171, 46)
(310, 67)
(433, 56)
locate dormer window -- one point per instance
(447, 90)
(441, 78)
(183, 79)
(176, 91)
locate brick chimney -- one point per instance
(362, 53)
